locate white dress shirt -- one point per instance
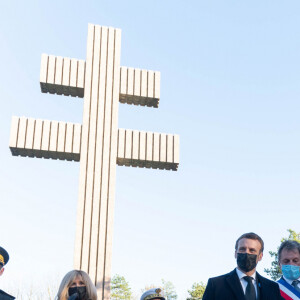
(244, 283)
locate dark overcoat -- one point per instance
(228, 287)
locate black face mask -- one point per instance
(246, 262)
(80, 291)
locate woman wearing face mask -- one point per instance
(76, 285)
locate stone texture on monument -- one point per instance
(65, 76)
(62, 141)
(47, 139)
(98, 143)
(139, 87)
(62, 76)
(147, 150)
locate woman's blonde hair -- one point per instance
(63, 291)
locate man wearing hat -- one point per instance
(4, 258)
(153, 294)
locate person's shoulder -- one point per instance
(222, 277)
(5, 296)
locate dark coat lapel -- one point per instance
(262, 286)
(235, 285)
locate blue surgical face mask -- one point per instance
(290, 272)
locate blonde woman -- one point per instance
(76, 285)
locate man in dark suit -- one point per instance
(289, 263)
(244, 283)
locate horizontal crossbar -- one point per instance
(66, 76)
(139, 87)
(61, 140)
(148, 149)
(43, 138)
(62, 76)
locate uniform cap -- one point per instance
(155, 293)
(4, 257)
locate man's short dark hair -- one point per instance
(288, 245)
(250, 236)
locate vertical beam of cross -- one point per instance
(97, 143)
(98, 155)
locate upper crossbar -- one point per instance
(66, 76)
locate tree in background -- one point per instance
(197, 291)
(169, 289)
(274, 272)
(120, 288)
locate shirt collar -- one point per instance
(241, 274)
(289, 281)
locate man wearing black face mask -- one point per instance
(243, 283)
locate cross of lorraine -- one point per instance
(98, 143)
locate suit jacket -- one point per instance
(228, 287)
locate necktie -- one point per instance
(250, 290)
(295, 285)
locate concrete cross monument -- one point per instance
(98, 143)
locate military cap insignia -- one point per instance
(4, 257)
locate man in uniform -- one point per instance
(153, 294)
(243, 283)
(4, 258)
(289, 263)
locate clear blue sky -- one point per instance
(230, 88)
